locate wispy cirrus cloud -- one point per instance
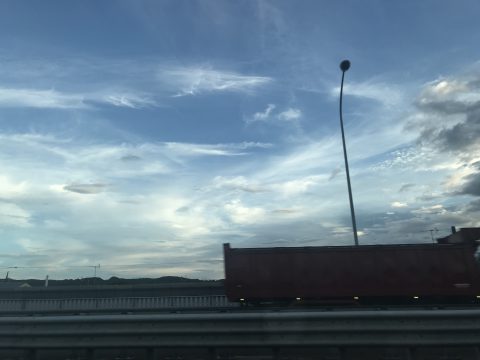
(188, 149)
(270, 115)
(194, 80)
(384, 93)
(128, 100)
(34, 98)
(54, 99)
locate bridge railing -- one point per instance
(114, 303)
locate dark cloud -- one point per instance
(461, 136)
(458, 138)
(473, 206)
(334, 173)
(429, 197)
(406, 187)
(130, 157)
(472, 185)
(448, 107)
(86, 188)
(284, 211)
(442, 105)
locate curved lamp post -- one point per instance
(344, 66)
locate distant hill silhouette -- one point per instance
(99, 281)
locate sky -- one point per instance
(142, 135)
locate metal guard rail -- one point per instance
(261, 328)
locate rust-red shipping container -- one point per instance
(327, 272)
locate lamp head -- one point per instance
(345, 65)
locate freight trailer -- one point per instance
(422, 273)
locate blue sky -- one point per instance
(142, 135)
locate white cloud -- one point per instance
(301, 160)
(259, 116)
(202, 149)
(384, 93)
(14, 215)
(268, 115)
(194, 80)
(10, 97)
(241, 214)
(182, 218)
(434, 209)
(53, 99)
(298, 186)
(290, 114)
(187, 149)
(457, 89)
(398, 204)
(129, 100)
(10, 189)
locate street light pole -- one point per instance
(344, 66)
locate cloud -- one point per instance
(237, 183)
(261, 116)
(290, 114)
(473, 206)
(384, 93)
(188, 149)
(406, 187)
(285, 211)
(334, 173)
(10, 189)
(47, 99)
(53, 99)
(450, 114)
(129, 100)
(195, 80)
(13, 215)
(434, 209)
(471, 185)
(398, 204)
(241, 214)
(86, 188)
(298, 186)
(269, 115)
(130, 157)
